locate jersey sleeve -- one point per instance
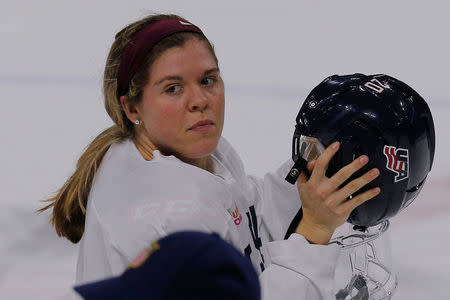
(299, 270)
(295, 269)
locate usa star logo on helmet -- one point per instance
(397, 161)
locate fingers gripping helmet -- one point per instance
(381, 117)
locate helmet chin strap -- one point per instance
(299, 166)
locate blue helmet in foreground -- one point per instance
(381, 117)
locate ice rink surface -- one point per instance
(271, 55)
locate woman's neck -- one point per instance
(146, 148)
(205, 163)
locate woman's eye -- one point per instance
(208, 81)
(173, 89)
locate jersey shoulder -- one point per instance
(133, 197)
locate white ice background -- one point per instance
(272, 53)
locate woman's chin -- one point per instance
(202, 149)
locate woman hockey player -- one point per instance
(164, 167)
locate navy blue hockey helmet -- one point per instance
(381, 117)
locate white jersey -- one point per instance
(134, 202)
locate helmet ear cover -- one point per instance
(381, 117)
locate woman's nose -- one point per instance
(198, 101)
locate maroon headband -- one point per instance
(142, 42)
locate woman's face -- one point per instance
(184, 88)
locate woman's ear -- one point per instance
(129, 109)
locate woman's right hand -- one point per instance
(325, 205)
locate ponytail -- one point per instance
(69, 204)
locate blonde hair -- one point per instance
(69, 203)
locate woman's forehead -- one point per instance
(192, 58)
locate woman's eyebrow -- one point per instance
(176, 77)
(169, 77)
(213, 70)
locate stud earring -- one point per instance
(137, 122)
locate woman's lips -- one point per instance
(202, 126)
